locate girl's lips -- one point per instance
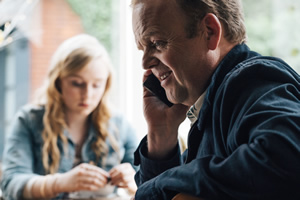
(83, 105)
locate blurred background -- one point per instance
(31, 30)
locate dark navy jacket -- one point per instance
(246, 141)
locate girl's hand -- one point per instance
(123, 176)
(82, 177)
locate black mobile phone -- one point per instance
(153, 85)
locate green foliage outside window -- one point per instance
(273, 28)
(96, 17)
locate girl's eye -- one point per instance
(96, 85)
(77, 84)
(158, 44)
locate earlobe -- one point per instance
(213, 31)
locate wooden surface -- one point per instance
(182, 196)
(104, 198)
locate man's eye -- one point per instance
(158, 44)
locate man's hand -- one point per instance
(163, 123)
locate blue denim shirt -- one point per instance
(22, 152)
(245, 143)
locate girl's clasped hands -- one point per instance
(89, 177)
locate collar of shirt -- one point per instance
(194, 110)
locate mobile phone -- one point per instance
(153, 85)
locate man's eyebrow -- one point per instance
(151, 32)
(146, 37)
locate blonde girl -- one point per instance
(71, 140)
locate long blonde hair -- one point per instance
(70, 57)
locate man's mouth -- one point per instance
(164, 76)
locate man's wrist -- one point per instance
(161, 149)
(150, 168)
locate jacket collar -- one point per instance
(235, 56)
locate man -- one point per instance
(244, 142)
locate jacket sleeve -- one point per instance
(150, 171)
(17, 163)
(150, 168)
(258, 135)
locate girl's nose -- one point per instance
(87, 91)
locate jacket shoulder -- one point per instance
(31, 115)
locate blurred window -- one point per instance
(271, 26)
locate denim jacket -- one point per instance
(22, 157)
(246, 142)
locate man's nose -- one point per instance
(149, 60)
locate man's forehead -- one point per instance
(146, 17)
(152, 13)
(135, 2)
(155, 19)
(154, 7)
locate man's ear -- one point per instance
(213, 31)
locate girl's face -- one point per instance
(82, 91)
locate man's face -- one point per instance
(181, 64)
